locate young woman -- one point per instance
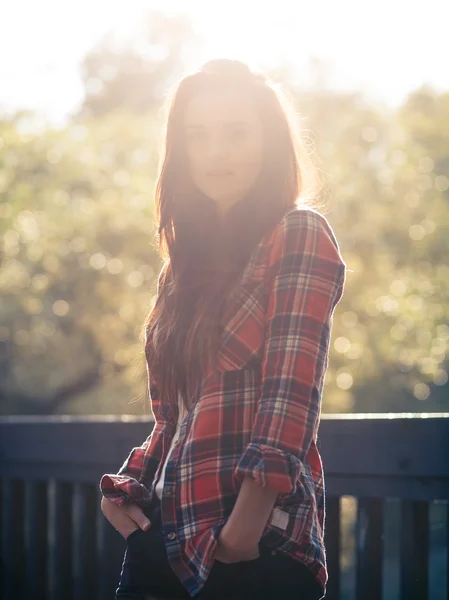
(225, 498)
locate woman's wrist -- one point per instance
(231, 539)
(249, 517)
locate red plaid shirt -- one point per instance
(257, 414)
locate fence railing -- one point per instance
(387, 511)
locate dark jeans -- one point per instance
(268, 577)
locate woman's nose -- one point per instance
(217, 148)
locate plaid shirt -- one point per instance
(257, 414)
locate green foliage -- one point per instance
(388, 177)
(79, 261)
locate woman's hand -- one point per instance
(125, 518)
(230, 552)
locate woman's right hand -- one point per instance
(125, 518)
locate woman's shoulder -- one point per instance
(304, 218)
(304, 229)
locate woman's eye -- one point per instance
(194, 136)
(237, 133)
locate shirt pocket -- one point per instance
(242, 333)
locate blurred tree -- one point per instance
(387, 172)
(134, 75)
(79, 260)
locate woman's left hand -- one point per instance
(228, 552)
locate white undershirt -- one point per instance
(182, 413)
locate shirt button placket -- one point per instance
(169, 489)
(169, 493)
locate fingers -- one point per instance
(137, 514)
(125, 517)
(128, 533)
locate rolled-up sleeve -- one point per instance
(305, 279)
(121, 488)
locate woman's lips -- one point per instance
(219, 173)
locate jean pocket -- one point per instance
(225, 564)
(239, 563)
(132, 535)
(252, 560)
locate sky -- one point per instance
(385, 49)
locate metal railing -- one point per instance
(387, 511)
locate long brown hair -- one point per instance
(203, 253)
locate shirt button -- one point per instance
(168, 491)
(273, 552)
(171, 535)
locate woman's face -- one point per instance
(224, 146)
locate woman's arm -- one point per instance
(141, 464)
(305, 281)
(124, 486)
